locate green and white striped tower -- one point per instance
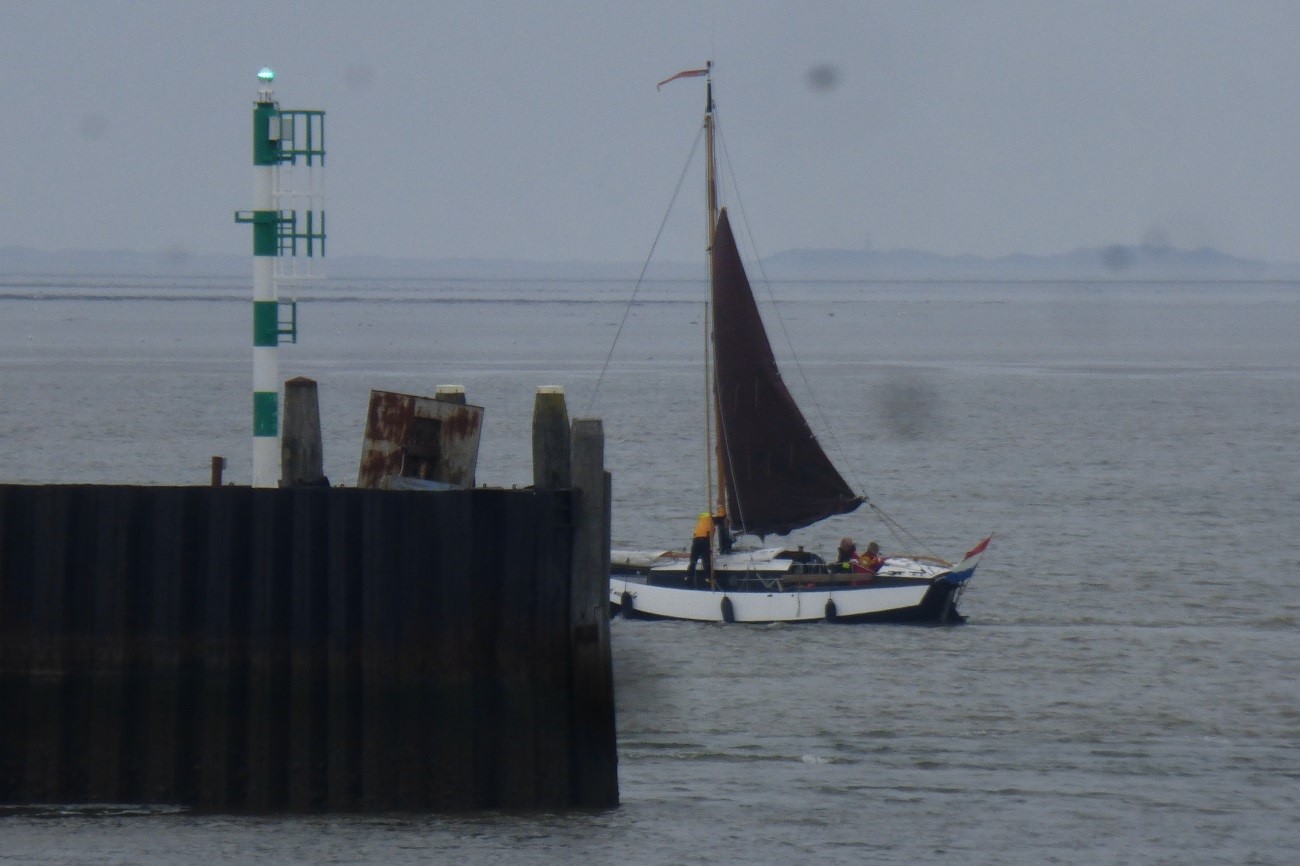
(266, 302)
(277, 233)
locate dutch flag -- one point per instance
(962, 571)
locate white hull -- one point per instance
(906, 590)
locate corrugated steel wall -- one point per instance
(288, 650)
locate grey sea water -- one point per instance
(1125, 690)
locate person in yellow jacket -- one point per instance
(701, 548)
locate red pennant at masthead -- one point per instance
(685, 73)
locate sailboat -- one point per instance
(773, 478)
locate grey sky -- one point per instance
(534, 130)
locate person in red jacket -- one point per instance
(870, 560)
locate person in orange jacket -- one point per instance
(870, 560)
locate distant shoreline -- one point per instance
(1109, 264)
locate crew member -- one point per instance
(701, 548)
(847, 553)
(870, 560)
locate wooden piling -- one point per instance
(450, 394)
(551, 449)
(301, 452)
(594, 765)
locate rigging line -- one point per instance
(893, 527)
(897, 530)
(627, 310)
(767, 286)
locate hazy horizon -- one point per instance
(1116, 261)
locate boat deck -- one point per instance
(784, 582)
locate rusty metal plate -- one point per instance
(419, 439)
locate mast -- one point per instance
(711, 203)
(710, 171)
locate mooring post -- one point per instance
(302, 461)
(551, 457)
(450, 394)
(595, 757)
(218, 467)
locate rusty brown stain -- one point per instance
(390, 415)
(462, 424)
(389, 423)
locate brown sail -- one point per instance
(776, 474)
